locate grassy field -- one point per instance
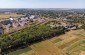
(71, 43)
(43, 48)
(67, 42)
(3, 16)
(57, 40)
(29, 53)
(75, 47)
(20, 51)
(46, 48)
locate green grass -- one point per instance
(20, 51)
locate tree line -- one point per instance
(28, 36)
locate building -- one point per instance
(7, 23)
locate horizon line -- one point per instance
(42, 8)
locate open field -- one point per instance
(70, 43)
(29, 53)
(20, 51)
(67, 42)
(57, 40)
(3, 16)
(73, 42)
(46, 48)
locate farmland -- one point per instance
(3, 16)
(71, 44)
(46, 48)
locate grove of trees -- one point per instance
(28, 36)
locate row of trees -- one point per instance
(28, 36)
(52, 13)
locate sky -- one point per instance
(42, 3)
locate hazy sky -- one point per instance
(42, 3)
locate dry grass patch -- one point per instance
(20, 51)
(46, 48)
(29, 53)
(3, 16)
(67, 42)
(57, 40)
(74, 45)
